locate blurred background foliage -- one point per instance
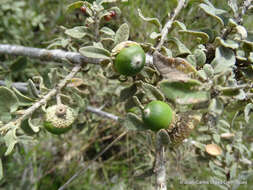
(52, 160)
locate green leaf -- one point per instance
(10, 140)
(107, 31)
(127, 92)
(227, 43)
(233, 5)
(22, 99)
(32, 89)
(8, 100)
(216, 138)
(248, 108)
(19, 64)
(200, 57)
(154, 21)
(183, 92)
(77, 32)
(95, 52)
(75, 5)
(216, 106)
(116, 9)
(208, 70)
(179, 24)
(183, 50)
(198, 34)
(26, 128)
(232, 172)
(204, 138)
(224, 60)
(133, 122)
(150, 89)
(122, 34)
(214, 12)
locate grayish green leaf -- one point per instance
(183, 92)
(8, 100)
(77, 32)
(248, 108)
(95, 52)
(181, 47)
(10, 140)
(133, 122)
(212, 11)
(154, 21)
(122, 34)
(224, 60)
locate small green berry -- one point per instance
(58, 119)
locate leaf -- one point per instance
(183, 92)
(155, 35)
(216, 106)
(8, 100)
(127, 92)
(95, 52)
(172, 68)
(248, 108)
(133, 122)
(154, 21)
(199, 34)
(107, 31)
(224, 60)
(183, 50)
(19, 64)
(32, 89)
(22, 99)
(77, 32)
(214, 12)
(216, 138)
(233, 5)
(179, 24)
(122, 34)
(10, 140)
(227, 43)
(232, 172)
(200, 57)
(150, 89)
(116, 9)
(204, 138)
(75, 5)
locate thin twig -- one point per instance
(168, 25)
(22, 86)
(102, 113)
(94, 159)
(160, 169)
(46, 98)
(56, 55)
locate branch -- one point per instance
(168, 25)
(84, 168)
(47, 55)
(44, 100)
(22, 87)
(56, 55)
(160, 169)
(102, 113)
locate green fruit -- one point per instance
(157, 115)
(130, 60)
(58, 119)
